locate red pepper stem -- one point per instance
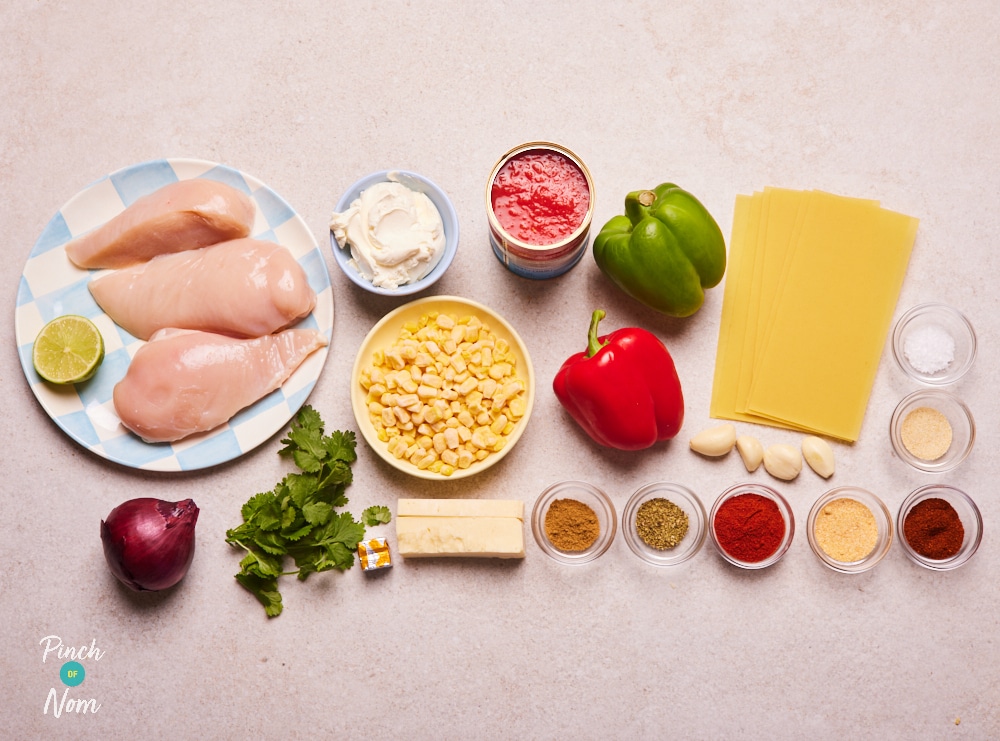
(593, 344)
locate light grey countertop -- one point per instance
(898, 104)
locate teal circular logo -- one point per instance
(72, 673)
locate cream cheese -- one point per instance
(395, 234)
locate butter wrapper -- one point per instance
(374, 554)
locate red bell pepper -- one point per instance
(624, 390)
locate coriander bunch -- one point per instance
(298, 518)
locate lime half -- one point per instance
(69, 349)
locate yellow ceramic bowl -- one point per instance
(384, 334)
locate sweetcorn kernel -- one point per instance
(445, 394)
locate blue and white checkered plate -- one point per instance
(52, 286)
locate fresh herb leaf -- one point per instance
(271, 543)
(317, 513)
(255, 504)
(289, 515)
(261, 564)
(377, 515)
(342, 530)
(265, 590)
(299, 534)
(301, 488)
(340, 447)
(297, 519)
(267, 515)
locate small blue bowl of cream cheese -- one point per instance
(394, 232)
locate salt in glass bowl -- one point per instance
(449, 219)
(929, 319)
(883, 523)
(594, 498)
(968, 512)
(963, 429)
(783, 508)
(684, 498)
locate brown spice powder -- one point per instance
(846, 530)
(926, 433)
(571, 525)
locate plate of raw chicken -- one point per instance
(215, 306)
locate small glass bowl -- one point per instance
(783, 508)
(963, 429)
(967, 510)
(883, 522)
(942, 316)
(684, 498)
(590, 495)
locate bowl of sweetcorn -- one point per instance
(442, 388)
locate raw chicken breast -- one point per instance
(243, 288)
(182, 381)
(181, 216)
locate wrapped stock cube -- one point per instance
(374, 554)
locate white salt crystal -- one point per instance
(929, 349)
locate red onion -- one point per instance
(149, 543)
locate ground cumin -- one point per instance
(571, 525)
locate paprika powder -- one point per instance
(749, 527)
(933, 529)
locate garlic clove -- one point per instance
(751, 451)
(715, 441)
(819, 455)
(783, 461)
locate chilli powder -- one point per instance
(749, 527)
(933, 529)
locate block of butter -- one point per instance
(480, 528)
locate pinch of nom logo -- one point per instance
(72, 673)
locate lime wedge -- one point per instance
(69, 349)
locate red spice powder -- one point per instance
(749, 527)
(933, 529)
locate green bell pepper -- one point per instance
(665, 251)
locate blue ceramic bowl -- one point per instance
(448, 217)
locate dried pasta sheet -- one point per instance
(732, 326)
(763, 225)
(807, 310)
(780, 211)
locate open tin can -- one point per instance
(542, 258)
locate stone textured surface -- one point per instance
(893, 103)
